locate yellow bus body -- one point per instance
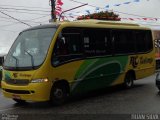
(76, 71)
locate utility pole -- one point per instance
(53, 15)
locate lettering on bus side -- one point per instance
(135, 61)
(15, 75)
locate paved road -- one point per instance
(143, 98)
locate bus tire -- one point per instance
(59, 94)
(128, 80)
(19, 101)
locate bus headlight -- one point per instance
(39, 80)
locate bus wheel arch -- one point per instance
(129, 78)
(59, 92)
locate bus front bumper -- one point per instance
(31, 92)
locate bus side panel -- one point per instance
(98, 73)
(142, 64)
(146, 66)
(90, 74)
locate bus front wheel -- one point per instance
(58, 94)
(128, 81)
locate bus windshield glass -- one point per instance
(30, 49)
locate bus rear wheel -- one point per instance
(58, 95)
(128, 81)
(19, 101)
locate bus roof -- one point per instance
(91, 22)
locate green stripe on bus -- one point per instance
(98, 73)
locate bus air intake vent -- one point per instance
(17, 82)
(17, 91)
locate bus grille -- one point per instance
(17, 82)
(17, 91)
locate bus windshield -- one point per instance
(30, 49)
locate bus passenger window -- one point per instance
(97, 42)
(68, 46)
(89, 42)
(143, 41)
(103, 42)
(123, 41)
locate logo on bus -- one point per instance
(15, 75)
(135, 61)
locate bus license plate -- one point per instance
(16, 96)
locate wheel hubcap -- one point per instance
(58, 93)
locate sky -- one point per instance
(36, 12)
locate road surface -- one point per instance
(143, 98)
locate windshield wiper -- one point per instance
(32, 60)
(17, 61)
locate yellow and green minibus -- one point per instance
(51, 62)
